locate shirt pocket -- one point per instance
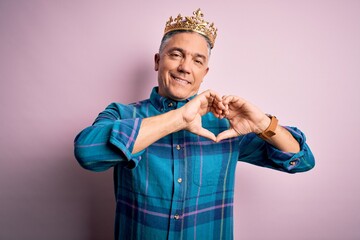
(207, 171)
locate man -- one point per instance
(174, 154)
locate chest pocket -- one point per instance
(208, 172)
(209, 164)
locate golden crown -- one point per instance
(194, 23)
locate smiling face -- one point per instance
(182, 65)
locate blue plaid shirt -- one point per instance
(182, 186)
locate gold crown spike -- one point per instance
(194, 23)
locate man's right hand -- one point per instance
(208, 101)
(187, 118)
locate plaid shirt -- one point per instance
(181, 186)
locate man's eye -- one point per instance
(175, 54)
(199, 62)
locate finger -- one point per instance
(228, 99)
(220, 105)
(206, 133)
(219, 115)
(230, 133)
(215, 95)
(217, 110)
(215, 106)
(214, 98)
(211, 93)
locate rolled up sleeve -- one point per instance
(256, 151)
(123, 136)
(109, 141)
(293, 162)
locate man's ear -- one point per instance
(156, 60)
(206, 71)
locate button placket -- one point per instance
(178, 149)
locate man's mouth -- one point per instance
(179, 79)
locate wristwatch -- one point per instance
(270, 130)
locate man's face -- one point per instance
(182, 65)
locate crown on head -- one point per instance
(194, 23)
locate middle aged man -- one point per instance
(174, 154)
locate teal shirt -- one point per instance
(181, 186)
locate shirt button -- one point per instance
(178, 147)
(179, 180)
(177, 216)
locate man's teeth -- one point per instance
(178, 79)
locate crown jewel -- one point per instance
(194, 23)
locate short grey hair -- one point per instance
(166, 38)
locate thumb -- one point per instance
(230, 133)
(206, 133)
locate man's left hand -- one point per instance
(244, 118)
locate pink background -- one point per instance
(62, 62)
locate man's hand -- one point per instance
(243, 117)
(208, 101)
(187, 117)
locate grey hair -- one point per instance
(166, 38)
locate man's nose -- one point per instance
(185, 65)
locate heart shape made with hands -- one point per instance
(243, 116)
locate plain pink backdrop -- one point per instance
(62, 62)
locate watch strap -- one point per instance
(270, 130)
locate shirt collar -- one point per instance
(164, 104)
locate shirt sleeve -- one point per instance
(110, 140)
(256, 151)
